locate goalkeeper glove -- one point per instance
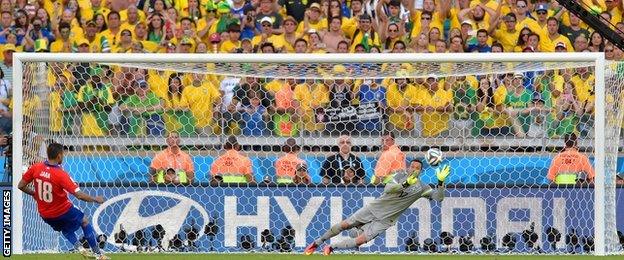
(443, 172)
(411, 179)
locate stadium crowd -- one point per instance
(101, 100)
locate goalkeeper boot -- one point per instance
(310, 249)
(328, 250)
(102, 257)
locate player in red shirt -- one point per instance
(51, 185)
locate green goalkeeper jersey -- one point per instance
(396, 198)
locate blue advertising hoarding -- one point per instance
(238, 211)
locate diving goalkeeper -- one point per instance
(402, 191)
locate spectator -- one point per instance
(497, 48)
(70, 108)
(231, 166)
(248, 23)
(561, 47)
(142, 112)
(251, 85)
(464, 103)
(492, 121)
(570, 166)
(172, 165)
(234, 42)
(140, 35)
(392, 34)
(267, 34)
(343, 167)
(111, 34)
(155, 29)
(554, 37)
(100, 22)
(365, 33)
(392, 159)
(523, 39)
(435, 105)
(204, 100)
(7, 63)
(21, 25)
(524, 20)
(96, 42)
(290, 168)
(434, 36)
(125, 43)
(481, 46)
(178, 117)
(289, 37)
(97, 7)
(6, 19)
(421, 45)
(508, 36)
(456, 45)
(254, 116)
(301, 46)
(340, 95)
(568, 111)
(334, 36)
(316, 44)
(401, 97)
(295, 9)
(537, 128)
(285, 117)
(517, 105)
(63, 43)
(372, 91)
(312, 20)
(312, 97)
(96, 99)
(542, 15)
(440, 47)
(581, 43)
(238, 8)
(230, 111)
(267, 9)
(533, 42)
(597, 42)
(574, 30)
(37, 37)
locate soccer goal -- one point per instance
(499, 120)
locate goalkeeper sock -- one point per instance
(71, 237)
(89, 235)
(332, 232)
(345, 244)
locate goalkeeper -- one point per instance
(402, 191)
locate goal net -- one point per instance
(231, 153)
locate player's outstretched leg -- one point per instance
(89, 235)
(331, 232)
(346, 244)
(71, 237)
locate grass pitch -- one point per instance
(251, 256)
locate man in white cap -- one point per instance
(561, 47)
(267, 34)
(267, 10)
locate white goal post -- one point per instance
(604, 190)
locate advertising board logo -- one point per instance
(144, 209)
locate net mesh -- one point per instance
(498, 124)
